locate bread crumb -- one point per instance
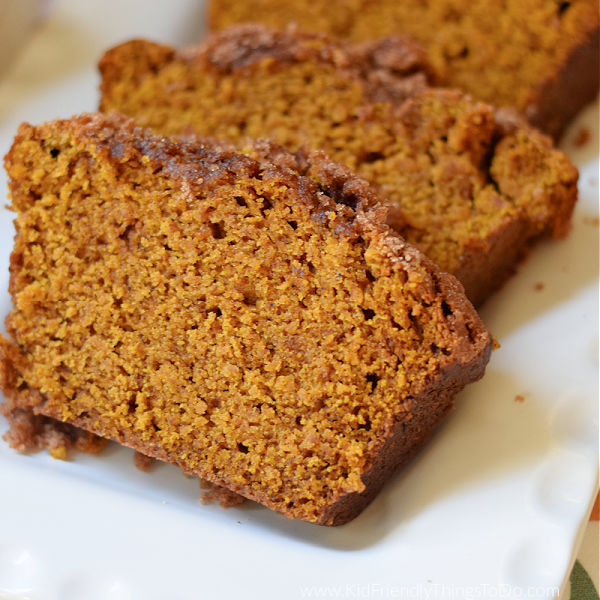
(215, 493)
(583, 137)
(59, 453)
(143, 462)
(519, 398)
(594, 221)
(495, 343)
(539, 286)
(29, 432)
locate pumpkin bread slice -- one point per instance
(537, 56)
(253, 322)
(471, 187)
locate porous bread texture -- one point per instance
(469, 186)
(538, 56)
(228, 315)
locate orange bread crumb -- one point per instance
(142, 462)
(215, 493)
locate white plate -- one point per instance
(491, 508)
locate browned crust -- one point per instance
(406, 440)
(381, 62)
(484, 269)
(408, 436)
(563, 94)
(391, 69)
(330, 185)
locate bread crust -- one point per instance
(561, 95)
